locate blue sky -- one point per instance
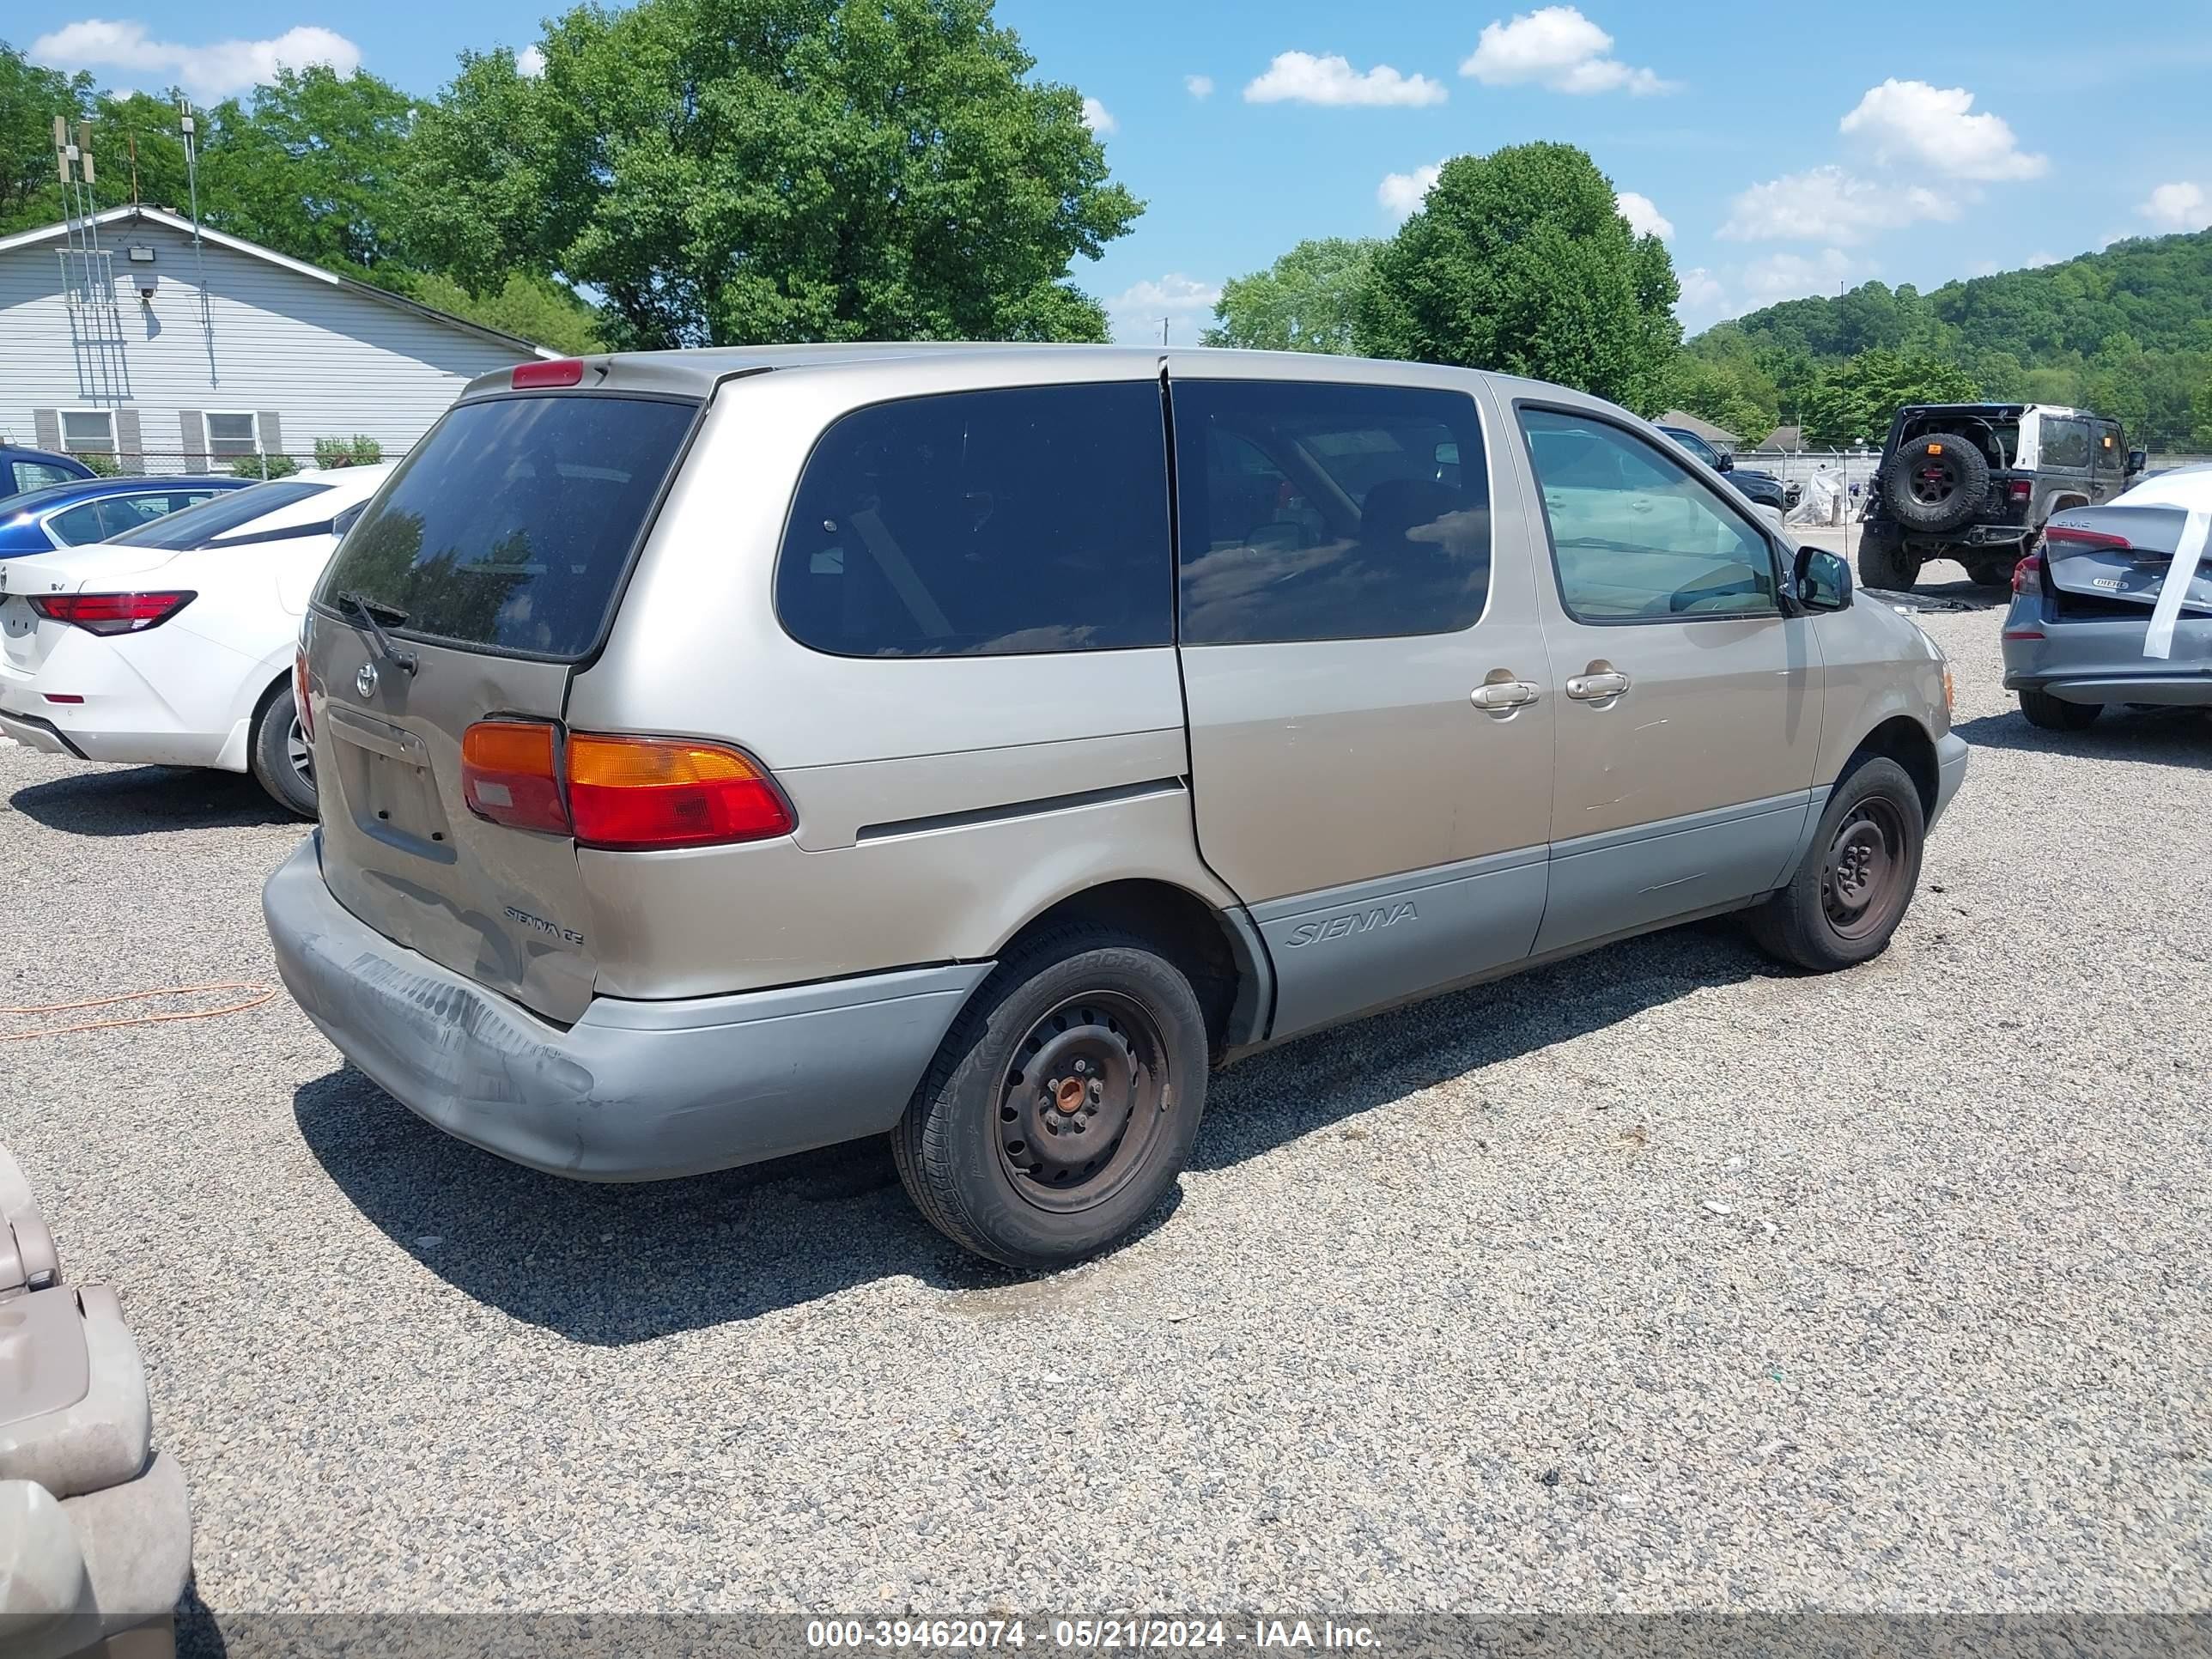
(1778, 149)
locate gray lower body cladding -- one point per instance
(633, 1090)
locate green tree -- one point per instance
(1519, 260)
(30, 98)
(535, 308)
(1307, 301)
(310, 167)
(729, 170)
(1854, 400)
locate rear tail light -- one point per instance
(2081, 538)
(621, 794)
(564, 371)
(112, 613)
(2027, 576)
(2022, 488)
(634, 793)
(299, 703)
(511, 774)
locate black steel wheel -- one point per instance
(1062, 1104)
(1861, 889)
(1851, 889)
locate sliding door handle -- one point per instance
(1501, 692)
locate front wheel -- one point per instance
(1062, 1104)
(1852, 890)
(279, 756)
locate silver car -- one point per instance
(726, 753)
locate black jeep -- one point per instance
(1975, 482)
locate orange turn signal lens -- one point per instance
(510, 775)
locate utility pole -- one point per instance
(1163, 331)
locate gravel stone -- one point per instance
(1446, 1314)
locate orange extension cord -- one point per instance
(264, 993)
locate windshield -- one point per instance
(1696, 446)
(195, 526)
(511, 525)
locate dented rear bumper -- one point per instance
(633, 1090)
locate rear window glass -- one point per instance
(511, 525)
(197, 525)
(984, 524)
(1326, 512)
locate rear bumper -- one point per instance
(1951, 753)
(2081, 660)
(33, 731)
(633, 1091)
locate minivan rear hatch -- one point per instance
(476, 582)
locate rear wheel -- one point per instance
(1062, 1104)
(1852, 890)
(277, 751)
(2056, 713)
(1884, 562)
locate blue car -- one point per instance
(94, 509)
(34, 469)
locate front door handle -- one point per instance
(1596, 683)
(1501, 693)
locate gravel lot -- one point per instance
(1654, 1281)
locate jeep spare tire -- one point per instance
(1935, 482)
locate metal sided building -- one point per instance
(126, 335)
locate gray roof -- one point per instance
(1705, 429)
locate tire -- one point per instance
(1935, 482)
(1884, 563)
(1847, 897)
(275, 749)
(1006, 1152)
(2056, 713)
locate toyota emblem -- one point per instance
(365, 681)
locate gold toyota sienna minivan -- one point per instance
(724, 753)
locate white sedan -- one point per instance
(173, 644)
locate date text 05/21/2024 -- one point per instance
(1085, 1635)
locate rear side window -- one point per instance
(219, 515)
(2111, 451)
(37, 475)
(509, 527)
(2065, 443)
(984, 524)
(1313, 510)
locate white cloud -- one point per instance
(1186, 302)
(1781, 276)
(1643, 218)
(1198, 86)
(1827, 204)
(1301, 77)
(2181, 205)
(1402, 192)
(2037, 261)
(1912, 122)
(1558, 48)
(530, 62)
(207, 72)
(1098, 117)
(1704, 297)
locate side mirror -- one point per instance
(1727, 463)
(1823, 580)
(2137, 460)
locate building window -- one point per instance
(233, 435)
(88, 431)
